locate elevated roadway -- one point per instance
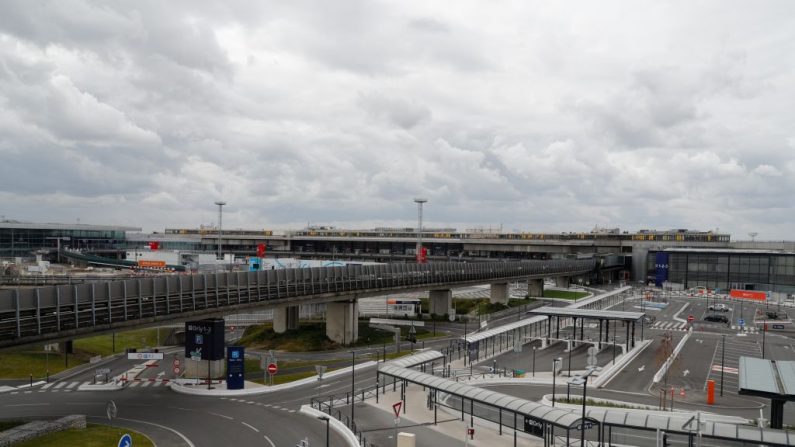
(29, 315)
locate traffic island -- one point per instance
(91, 435)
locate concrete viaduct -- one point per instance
(30, 315)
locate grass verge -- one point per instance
(21, 363)
(93, 435)
(564, 294)
(598, 403)
(312, 337)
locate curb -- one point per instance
(338, 426)
(179, 388)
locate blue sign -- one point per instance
(741, 322)
(660, 268)
(125, 441)
(235, 377)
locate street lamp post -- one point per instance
(722, 363)
(419, 201)
(534, 361)
(326, 419)
(555, 364)
(220, 204)
(353, 383)
(583, 380)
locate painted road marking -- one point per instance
(134, 384)
(48, 385)
(269, 441)
(250, 426)
(60, 384)
(223, 416)
(72, 385)
(726, 369)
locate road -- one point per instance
(173, 419)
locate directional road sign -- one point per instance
(125, 441)
(741, 322)
(145, 356)
(100, 371)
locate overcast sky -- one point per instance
(537, 116)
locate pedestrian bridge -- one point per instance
(30, 315)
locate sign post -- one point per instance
(272, 370)
(396, 410)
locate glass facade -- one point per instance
(730, 270)
(19, 241)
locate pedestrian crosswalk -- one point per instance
(670, 325)
(746, 329)
(67, 386)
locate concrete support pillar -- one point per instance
(280, 319)
(499, 293)
(293, 313)
(342, 321)
(535, 288)
(563, 281)
(440, 301)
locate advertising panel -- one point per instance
(205, 339)
(151, 264)
(235, 375)
(534, 426)
(748, 294)
(660, 268)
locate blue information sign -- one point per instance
(235, 377)
(741, 322)
(125, 441)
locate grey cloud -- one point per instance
(396, 111)
(541, 117)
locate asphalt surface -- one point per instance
(173, 419)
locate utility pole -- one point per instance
(220, 204)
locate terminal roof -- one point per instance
(767, 378)
(587, 313)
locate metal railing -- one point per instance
(49, 312)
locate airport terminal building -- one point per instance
(724, 269)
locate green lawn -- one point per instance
(20, 363)
(564, 294)
(92, 436)
(312, 337)
(103, 344)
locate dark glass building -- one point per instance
(23, 239)
(748, 269)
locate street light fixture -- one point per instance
(419, 201)
(220, 204)
(583, 380)
(327, 419)
(556, 364)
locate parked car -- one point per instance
(717, 318)
(719, 307)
